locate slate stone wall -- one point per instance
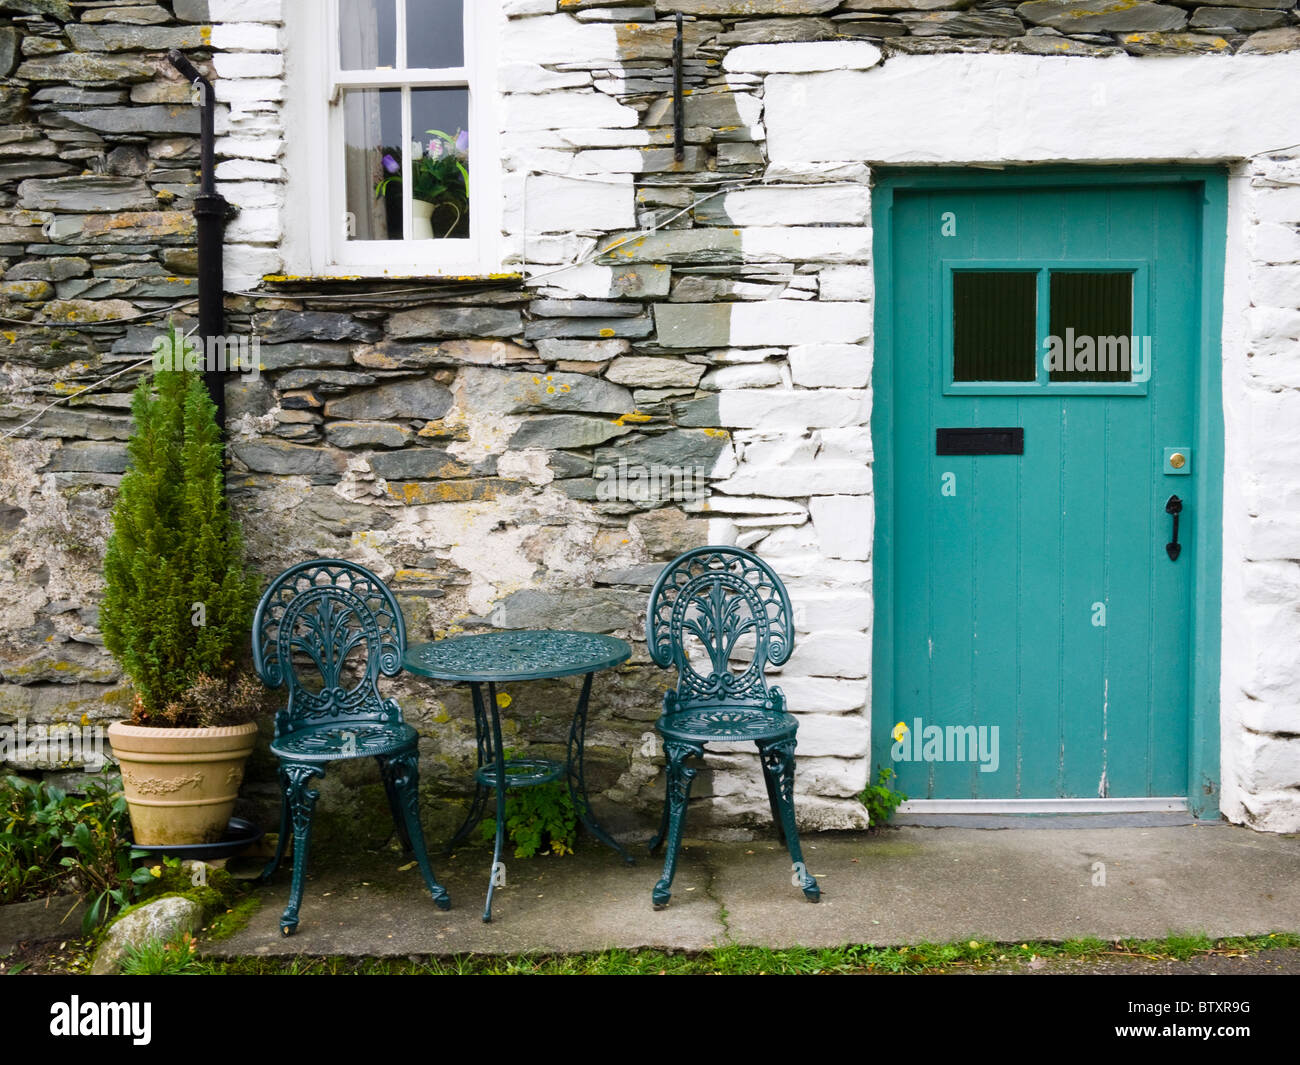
(459, 437)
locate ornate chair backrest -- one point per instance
(725, 598)
(328, 628)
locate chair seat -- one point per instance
(329, 743)
(719, 723)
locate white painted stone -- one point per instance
(744, 355)
(517, 8)
(803, 173)
(850, 444)
(1270, 326)
(834, 735)
(1260, 716)
(553, 39)
(1277, 204)
(798, 409)
(248, 65)
(247, 195)
(609, 161)
(743, 375)
(837, 244)
(248, 169)
(564, 110)
(245, 37)
(1275, 286)
(832, 695)
(244, 265)
(244, 90)
(246, 10)
(727, 504)
(834, 365)
(844, 525)
(846, 283)
(840, 608)
(1272, 811)
(919, 110)
(801, 57)
(249, 147)
(797, 206)
(1269, 761)
(260, 225)
(529, 77)
(798, 481)
(565, 205)
(1275, 243)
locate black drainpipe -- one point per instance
(210, 212)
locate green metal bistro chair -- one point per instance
(732, 603)
(337, 625)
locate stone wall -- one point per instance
(451, 437)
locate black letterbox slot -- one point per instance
(1002, 441)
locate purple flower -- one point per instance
(462, 142)
(390, 164)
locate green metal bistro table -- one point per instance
(494, 658)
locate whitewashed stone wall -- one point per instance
(739, 330)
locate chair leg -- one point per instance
(300, 800)
(404, 772)
(387, 773)
(778, 767)
(774, 803)
(680, 776)
(282, 840)
(658, 840)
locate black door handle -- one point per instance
(1175, 507)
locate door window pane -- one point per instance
(439, 120)
(994, 332)
(1091, 327)
(372, 134)
(367, 34)
(435, 33)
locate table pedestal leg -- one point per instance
(483, 740)
(577, 778)
(499, 757)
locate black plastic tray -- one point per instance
(238, 835)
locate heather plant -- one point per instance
(178, 602)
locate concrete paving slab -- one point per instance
(901, 886)
(586, 902)
(918, 884)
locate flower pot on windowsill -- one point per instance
(180, 783)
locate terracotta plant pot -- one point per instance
(181, 783)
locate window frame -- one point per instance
(314, 242)
(1141, 271)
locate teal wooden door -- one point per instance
(1040, 627)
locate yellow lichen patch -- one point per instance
(417, 576)
(720, 433)
(205, 35)
(636, 417)
(11, 336)
(419, 493)
(607, 332)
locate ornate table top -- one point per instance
(528, 654)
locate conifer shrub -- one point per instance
(178, 603)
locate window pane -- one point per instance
(993, 325)
(372, 133)
(1091, 326)
(439, 119)
(434, 33)
(367, 34)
